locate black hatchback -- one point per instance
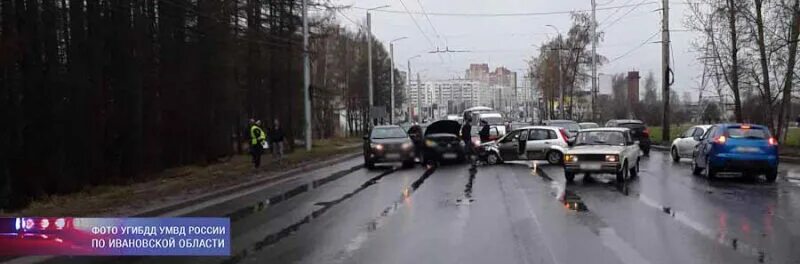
(639, 132)
(442, 142)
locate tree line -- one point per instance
(110, 91)
(748, 50)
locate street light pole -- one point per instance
(369, 59)
(391, 73)
(594, 61)
(419, 100)
(560, 81)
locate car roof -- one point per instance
(606, 129)
(539, 127)
(386, 126)
(587, 123)
(560, 121)
(740, 124)
(626, 121)
(490, 114)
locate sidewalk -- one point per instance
(179, 187)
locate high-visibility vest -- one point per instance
(256, 135)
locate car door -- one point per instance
(703, 146)
(632, 150)
(537, 145)
(690, 142)
(523, 144)
(508, 145)
(685, 144)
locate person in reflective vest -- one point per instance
(257, 137)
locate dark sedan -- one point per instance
(442, 142)
(639, 131)
(386, 144)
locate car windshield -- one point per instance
(391, 132)
(493, 120)
(614, 138)
(748, 133)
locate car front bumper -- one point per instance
(391, 156)
(592, 167)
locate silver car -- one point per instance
(530, 143)
(683, 146)
(603, 150)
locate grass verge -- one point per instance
(178, 183)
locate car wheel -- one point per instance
(569, 176)
(675, 157)
(493, 158)
(370, 165)
(695, 169)
(635, 171)
(554, 157)
(623, 174)
(772, 175)
(709, 171)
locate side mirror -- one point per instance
(696, 138)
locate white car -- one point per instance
(683, 146)
(529, 143)
(603, 150)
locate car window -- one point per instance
(537, 134)
(390, 132)
(551, 134)
(690, 132)
(709, 132)
(748, 133)
(513, 135)
(613, 138)
(698, 132)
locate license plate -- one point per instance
(450, 156)
(747, 149)
(590, 166)
(392, 156)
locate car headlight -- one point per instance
(570, 158)
(476, 141)
(377, 146)
(430, 143)
(612, 158)
(407, 145)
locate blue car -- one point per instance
(749, 149)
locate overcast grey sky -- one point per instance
(507, 40)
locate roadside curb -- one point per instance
(788, 159)
(239, 187)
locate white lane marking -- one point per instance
(622, 249)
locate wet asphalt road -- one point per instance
(510, 214)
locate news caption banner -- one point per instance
(169, 236)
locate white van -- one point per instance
(495, 120)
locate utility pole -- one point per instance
(419, 98)
(369, 60)
(306, 77)
(594, 61)
(391, 73)
(665, 72)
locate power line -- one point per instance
(636, 48)
(623, 15)
(507, 14)
(613, 13)
(416, 24)
(431, 23)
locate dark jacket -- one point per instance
(466, 132)
(276, 135)
(484, 133)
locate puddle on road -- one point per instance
(273, 238)
(467, 198)
(719, 236)
(573, 202)
(278, 198)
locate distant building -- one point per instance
(633, 87)
(444, 96)
(478, 72)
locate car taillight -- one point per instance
(772, 141)
(720, 140)
(563, 135)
